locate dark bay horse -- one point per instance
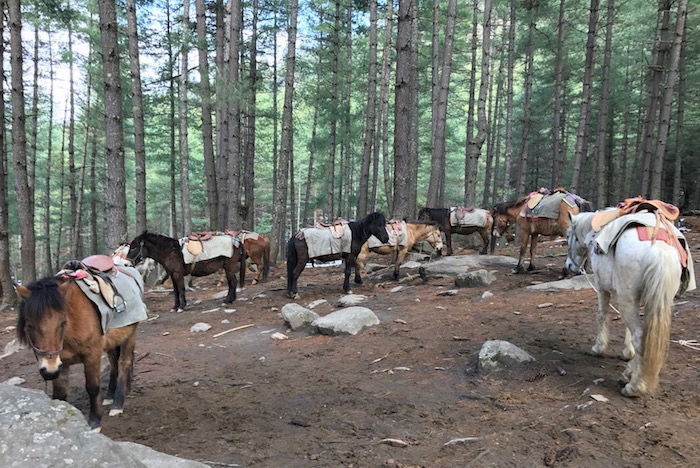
(298, 252)
(442, 217)
(167, 251)
(62, 326)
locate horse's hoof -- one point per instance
(255, 282)
(358, 281)
(597, 350)
(628, 355)
(631, 392)
(180, 310)
(96, 429)
(107, 401)
(349, 291)
(518, 270)
(115, 412)
(531, 268)
(239, 289)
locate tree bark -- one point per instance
(7, 290)
(346, 151)
(182, 112)
(46, 221)
(279, 220)
(509, 104)
(313, 143)
(623, 187)
(558, 149)
(667, 99)
(221, 116)
(31, 157)
(275, 111)
(72, 170)
(330, 177)
(603, 112)
(469, 166)
(249, 166)
(677, 196)
(492, 149)
(61, 196)
(25, 210)
(384, 109)
(93, 199)
(171, 97)
(234, 114)
(582, 132)
(527, 111)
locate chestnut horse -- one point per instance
(258, 250)
(416, 233)
(62, 326)
(507, 213)
(442, 217)
(167, 251)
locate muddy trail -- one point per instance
(313, 400)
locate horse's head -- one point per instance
(138, 248)
(375, 225)
(434, 238)
(577, 236)
(500, 220)
(42, 322)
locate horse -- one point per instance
(167, 251)
(298, 252)
(442, 217)
(62, 326)
(506, 213)
(416, 232)
(258, 251)
(637, 272)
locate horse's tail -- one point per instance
(292, 261)
(266, 259)
(243, 265)
(660, 282)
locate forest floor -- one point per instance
(246, 399)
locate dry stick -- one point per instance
(234, 329)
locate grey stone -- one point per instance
(37, 431)
(200, 327)
(317, 303)
(220, 294)
(14, 381)
(475, 279)
(449, 292)
(487, 295)
(497, 354)
(456, 264)
(410, 265)
(417, 257)
(351, 300)
(575, 283)
(11, 348)
(348, 321)
(372, 267)
(297, 316)
(152, 272)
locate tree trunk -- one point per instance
(582, 132)
(93, 199)
(184, 146)
(495, 120)
(667, 99)
(275, 111)
(221, 117)
(509, 104)
(384, 109)
(623, 188)
(25, 210)
(234, 115)
(330, 177)
(7, 290)
(279, 220)
(434, 75)
(72, 170)
(469, 165)
(679, 149)
(306, 218)
(249, 166)
(527, 111)
(370, 125)
(31, 157)
(474, 146)
(603, 112)
(46, 221)
(346, 151)
(412, 194)
(558, 149)
(171, 97)
(61, 196)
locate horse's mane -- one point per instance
(503, 207)
(157, 239)
(45, 294)
(372, 218)
(423, 221)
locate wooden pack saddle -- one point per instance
(337, 227)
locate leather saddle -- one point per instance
(663, 211)
(337, 227)
(95, 272)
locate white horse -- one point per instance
(635, 272)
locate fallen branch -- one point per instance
(234, 329)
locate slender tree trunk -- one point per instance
(137, 109)
(469, 165)
(279, 222)
(249, 166)
(306, 218)
(221, 117)
(347, 125)
(184, 146)
(623, 188)
(527, 111)
(497, 139)
(93, 198)
(234, 111)
(492, 151)
(414, 135)
(31, 157)
(46, 221)
(582, 133)
(275, 111)
(61, 196)
(25, 210)
(603, 111)
(384, 109)
(171, 98)
(558, 149)
(8, 295)
(667, 99)
(434, 75)
(72, 170)
(509, 104)
(330, 181)
(680, 146)
(474, 146)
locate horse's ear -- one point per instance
(23, 292)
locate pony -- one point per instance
(258, 251)
(506, 213)
(62, 326)
(298, 252)
(442, 217)
(429, 231)
(637, 272)
(167, 251)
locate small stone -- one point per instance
(461, 440)
(600, 398)
(449, 292)
(487, 295)
(313, 456)
(273, 309)
(475, 279)
(351, 300)
(496, 354)
(402, 368)
(201, 345)
(396, 289)
(561, 370)
(242, 299)
(394, 442)
(279, 336)
(416, 299)
(10, 328)
(225, 321)
(544, 305)
(261, 359)
(196, 384)
(440, 308)
(316, 303)
(597, 381)
(14, 381)
(229, 311)
(210, 311)
(200, 327)
(260, 296)
(515, 312)
(297, 316)
(400, 321)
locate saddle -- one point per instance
(195, 239)
(462, 211)
(337, 227)
(95, 271)
(394, 227)
(664, 211)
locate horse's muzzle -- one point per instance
(571, 267)
(47, 375)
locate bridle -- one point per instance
(43, 353)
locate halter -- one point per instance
(40, 352)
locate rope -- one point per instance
(583, 270)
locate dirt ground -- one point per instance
(246, 399)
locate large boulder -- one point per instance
(575, 283)
(297, 316)
(349, 321)
(475, 279)
(38, 431)
(499, 354)
(456, 264)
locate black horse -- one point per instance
(298, 252)
(167, 251)
(442, 217)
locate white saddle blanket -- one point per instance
(321, 242)
(476, 218)
(217, 246)
(548, 207)
(399, 237)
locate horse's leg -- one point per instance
(401, 252)
(524, 239)
(178, 280)
(113, 355)
(484, 233)
(349, 262)
(61, 384)
(232, 282)
(603, 320)
(629, 309)
(259, 264)
(448, 238)
(533, 244)
(628, 353)
(126, 361)
(92, 386)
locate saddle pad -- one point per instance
(129, 284)
(398, 236)
(217, 246)
(548, 207)
(322, 242)
(534, 199)
(475, 218)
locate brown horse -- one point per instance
(416, 233)
(442, 217)
(63, 328)
(167, 251)
(530, 228)
(258, 250)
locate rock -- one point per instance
(225, 321)
(351, 300)
(544, 305)
(229, 311)
(346, 321)
(449, 292)
(297, 316)
(11, 348)
(394, 442)
(454, 265)
(600, 398)
(475, 279)
(410, 265)
(220, 294)
(14, 381)
(397, 288)
(372, 267)
(460, 440)
(497, 354)
(575, 283)
(487, 295)
(417, 257)
(200, 327)
(152, 272)
(38, 431)
(317, 303)
(279, 336)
